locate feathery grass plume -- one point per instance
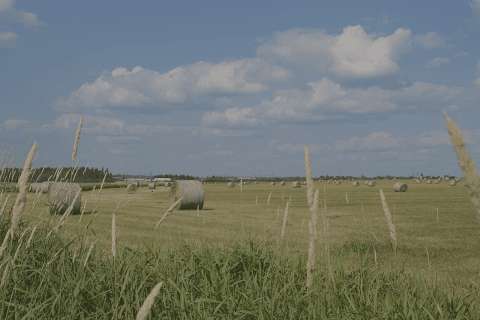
(114, 236)
(388, 218)
(269, 197)
(466, 164)
(284, 223)
(77, 139)
(21, 200)
(308, 175)
(312, 228)
(241, 185)
(144, 311)
(169, 210)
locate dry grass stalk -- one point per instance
(466, 164)
(77, 140)
(312, 228)
(269, 197)
(308, 175)
(21, 200)
(114, 236)
(389, 220)
(148, 303)
(169, 210)
(88, 254)
(284, 222)
(4, 205)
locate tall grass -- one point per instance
(58, 278)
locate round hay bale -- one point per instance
(231, 184)
(152, 186)
(45, 186)
(418, 181)
(355, 183)
(400, 187)
(428, 181)
(62, 195)
(295, 184)
(272, 183)
(282, 183)
(191, 192)
(371, 183)
(131, 188)
(437, 181)
(452, 183)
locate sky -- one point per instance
(238, 88)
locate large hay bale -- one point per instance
(62, 195)
(355, 183)
(131, 187)
(400, 187)
(272, 183)
(231, 184)
(191, 192)
(371, 183)
(428, 181)
(452, 183)
(295, 184)
(437, 181)
(152, 186)
(418, 181)
(282, 183)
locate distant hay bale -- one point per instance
(437, 181)
(418, 181)
(428, 181)
(45, 186)
(295, 184)
(371, 183)
(62, 195)
(453, 183)
(131, 187)
(231, 184)
(282, 183)
(191, 192)
(272, 183)
(400, 187)
(355, 183)
(151, 186)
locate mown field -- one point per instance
(226, 262)
(447, 243)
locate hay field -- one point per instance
(426, 241)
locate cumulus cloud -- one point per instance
(430, 40)
(438, 62)
(143, 87)
(7, 39)
(326, 99)
(353, 53)
(29, 19)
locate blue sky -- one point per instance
(210, 87)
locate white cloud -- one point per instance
(438, 62)
(143, 87)
(430, 40)
(13, 124)
(7, 39)
(476, 6)
(232, 118)
(326, 99)
(354, 53)
(7, 7)
(375, 141)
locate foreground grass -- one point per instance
(50, 277)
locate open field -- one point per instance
(446, 245)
